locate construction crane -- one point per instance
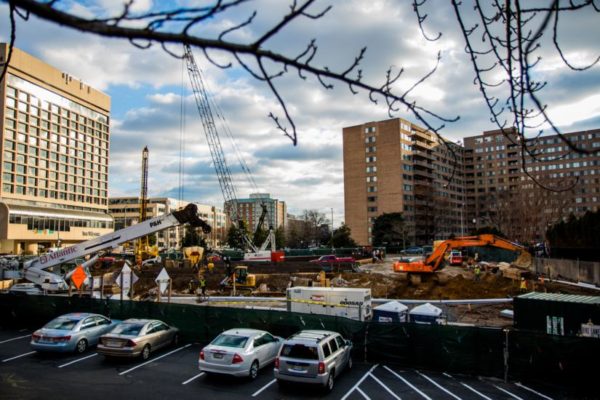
(218, 157)
(434, 261)
(143, 245)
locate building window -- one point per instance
(372, 198)
(371, 209)
(371, 159)
(371, 149)
(371, 168)
(370, 139)
(371, 179)
(370, 129)
(372, 189)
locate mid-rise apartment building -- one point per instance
(443, 188)
(126, 212)
(501, 188)
(55, 152)
(250, 210)
(396, 166)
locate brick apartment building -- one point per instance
(442, 188)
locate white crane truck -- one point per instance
(40, 270)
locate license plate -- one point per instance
(112, 343)
(217, 355)
(297, 368)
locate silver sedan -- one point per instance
(239, 352)
(71, 332)
(137, 337)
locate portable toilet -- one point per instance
(392, 311)
(425, 314)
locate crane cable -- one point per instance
(181, 183)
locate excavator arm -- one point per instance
(433, 261)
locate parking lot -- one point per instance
(173, 373)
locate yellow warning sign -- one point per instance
(78, 276)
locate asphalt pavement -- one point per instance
(173, 373)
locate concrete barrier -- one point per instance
(575, 270)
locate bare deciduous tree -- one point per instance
(505, 39)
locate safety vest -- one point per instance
(202, 282)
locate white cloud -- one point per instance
(145, 88)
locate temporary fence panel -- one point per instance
(529, 356)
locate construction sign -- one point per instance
(78, 277)
(126, 278)
(162, 280)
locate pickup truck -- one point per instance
(329, 261)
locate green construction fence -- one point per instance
(502, 353)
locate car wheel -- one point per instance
(253, 370)
(330, 382)
(146, 352)
(175, 340)
(349, 363)
(81, 346)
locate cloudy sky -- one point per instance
(152, 102)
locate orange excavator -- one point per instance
(434, 260)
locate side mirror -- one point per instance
(348, 343)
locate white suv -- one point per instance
(313, 357)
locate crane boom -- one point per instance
(214, 142)
(36, 270)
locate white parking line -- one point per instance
(155, 359)
(439, 386)
(533, 391)
(79, 359)
(192, 378)
(355, 387)
(16, 338)
(19, 356)
(408, 383)
(259, 391)
(385, 387)
(475, 391)
(363, 393)
(508, 393)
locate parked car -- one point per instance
(137, 338)
(415, 250)
(427, 249)
(455, 258)
(313, 356)
(26, 288)
(72, 332)
(239, 352)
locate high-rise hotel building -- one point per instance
(55, 151)
(442, 188)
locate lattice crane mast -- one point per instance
(214, 143)
(142, 245)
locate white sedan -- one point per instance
(239, 352)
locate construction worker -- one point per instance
(202, 285)
(477, 272)
(523, 286)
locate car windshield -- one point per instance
(128, 329)
(300, 351)
(63, 324)
(230, 341)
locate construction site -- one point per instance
(496, 281)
